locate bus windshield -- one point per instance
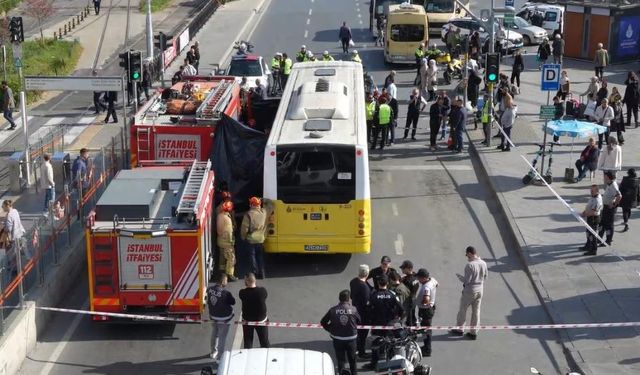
(407, 33)
(439, 6)
(313, 174)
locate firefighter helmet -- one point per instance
(255, 202)
(227, 206)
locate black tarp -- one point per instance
(238, 160)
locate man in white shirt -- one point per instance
(189, 70)
(604, 115)
(46, 182)
(426, 303)
(475, 273)
(14, 231)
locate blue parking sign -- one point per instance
(509, 3)
(550, 80)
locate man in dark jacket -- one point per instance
(254, 309)
(345, 37)
(378, 272)
(631, 97)
(410, 280)
(457, 118)
(111, 98)
(588, 160)
(416, 105)
(630, 195)
(220, 303)
(435, 119)
(341, 321)
(360, 293)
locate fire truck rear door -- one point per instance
(145, 262)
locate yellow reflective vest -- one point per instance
(356, 58)
(486, 112)
(275, 64)
(419, 53)
(384, 114)
(371, 110)
(327, 58)
(286, 70)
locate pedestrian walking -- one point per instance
(414, 107)
(544, 51)
(603, 115)
(591, 214)
(588, 160)
(425, 300)
(96, 6)
(80, 170)
(384, 308)
(410, 280)
(610, 160)
(565, 85)
(617, 123)
(610, 200)
(382, 270)
(381, 24)
(558, 49)
(252, 230)
(631, 97)
(225, 239)
(517, 68)
(402, 292)
(435, 119)
(111, 97)
(475, 274)
(220, 302)
(630, 190)
(457, 119)
(254, 309)
(8, 104)
(146, 80)
(360, 292)
(98, 102)
(341, 321)
(14, 232)
(600, 60)
(47, 183)
(344, 34)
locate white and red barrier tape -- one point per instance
(317, 326)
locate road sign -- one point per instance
(550, 80)
(509, 3)
(17, 50)
(508, 19)
(17, 62)
(547, 112)
(73, 83)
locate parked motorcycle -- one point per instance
(454, 69)
(399, 353)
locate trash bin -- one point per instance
(61, 163)
(16, 174)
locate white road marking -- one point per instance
(53, 359)
(388, 177)
(54, 121)
(306, 32)
(359, 15)
(86, 120)
(308, 21)
(399, 244)
(310, 11)
(360, 21)
(428, 167)
(394, 208)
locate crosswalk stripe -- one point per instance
(86, 120)
(435, 167)
(54, 121)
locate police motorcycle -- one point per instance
(399, 353)
(243, 47)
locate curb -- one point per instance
(572, 355)
(257, 11)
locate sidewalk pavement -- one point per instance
(575, 288)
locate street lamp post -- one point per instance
(149, 31)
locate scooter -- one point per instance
(548, 177)
(243, 47)
(399, 353)
(453, 70)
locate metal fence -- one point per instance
(53, 236)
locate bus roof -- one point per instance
(323, 103)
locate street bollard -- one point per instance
(55, 36)
(54, 235)
(78, 19)
(60, 32)
(82, 16)
(73, 23)
(65, 29)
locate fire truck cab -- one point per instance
(179, 123)
(149, 243)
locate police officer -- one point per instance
(220, 302)
(341, 322)
(383, 117)
(426, 302)
(326, 56)
(226, 240)
(286, 69)
(383, 269)
(275, 73)
(309, 56)
(370, 107)
(419, 54)
(300, 56)
(410, 280)
(355, 57)
(384, 307)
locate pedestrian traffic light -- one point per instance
(124, 62)
(135, 66)
(16, 30)
(161, 41)
(492, 67)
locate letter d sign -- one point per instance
(550, 77)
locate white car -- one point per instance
(530, 34)
(552, 16)
(467, 25)
(250, 66)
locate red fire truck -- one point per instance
(179, 123)
(149, 247)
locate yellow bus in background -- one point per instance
(316, 167)
(407, 27)
(440, 12)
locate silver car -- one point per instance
(530, 34)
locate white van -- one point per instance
(553, 16)
(275, 361)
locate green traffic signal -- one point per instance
(492, 77)
(135, 75)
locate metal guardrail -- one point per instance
(50, 237)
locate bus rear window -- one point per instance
(316, 175)
(407, 33)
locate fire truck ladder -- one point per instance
(143, 142)
(194, 187)
(215, 101)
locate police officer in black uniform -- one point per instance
(384, 307)
(341, 322)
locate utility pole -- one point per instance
(149, 31)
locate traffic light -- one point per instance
(16, 30)
(492, 70)
(124, 62)
(135, 66)
(161, 41)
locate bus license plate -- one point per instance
(315, 216)
(316, 247)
